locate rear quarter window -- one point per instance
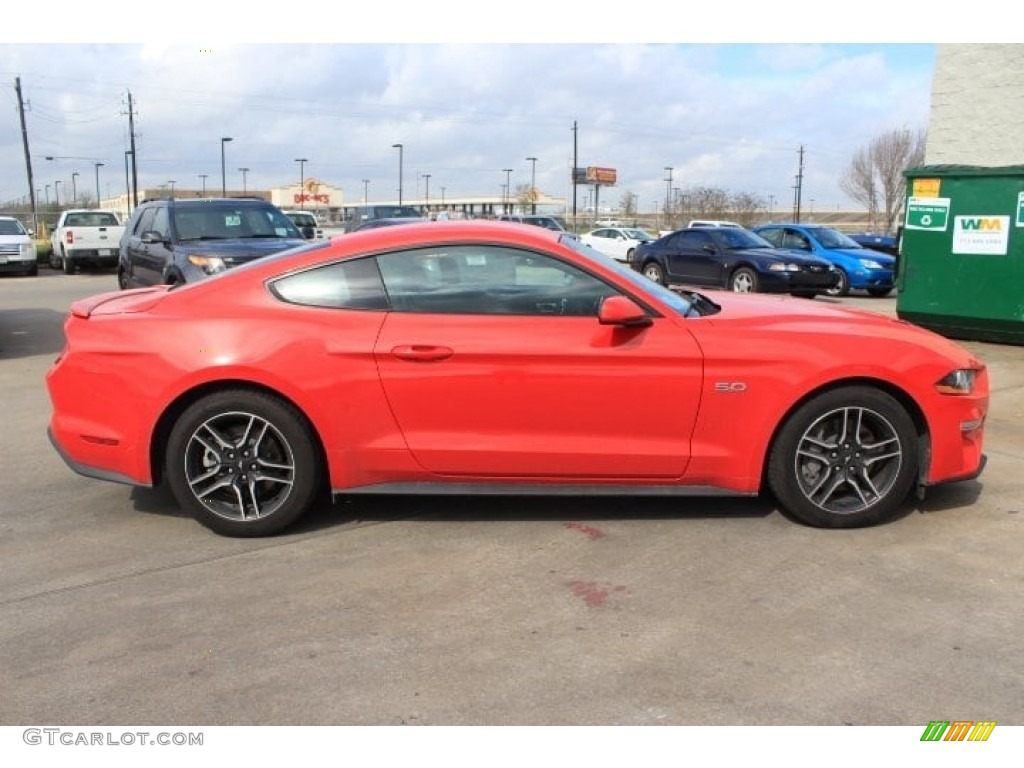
(344, 285)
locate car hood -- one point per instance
(15, 239)
(240, 248)
(865, 253)
(781, 254)
(781, 316)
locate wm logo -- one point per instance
(958, 730)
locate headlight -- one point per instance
(959, 382)
(870, 264)
(783, 267)
(209, 264)
(28, 250)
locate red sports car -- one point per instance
(474, 357)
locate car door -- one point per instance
(693, 260)
(495, 365)
(137, 253)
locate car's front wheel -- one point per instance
(844, 459)
(743, 280)
(653, 271)
(842, 287)
(244, 463)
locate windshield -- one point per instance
(643, 285)
(736, 237)
(830, 238)
(638, 234)
(303, 219)
(395, 212)
(11, 227)
(228, 221)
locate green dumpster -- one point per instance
(961, 264)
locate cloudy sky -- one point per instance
(725, 114)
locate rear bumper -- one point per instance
(87, 470)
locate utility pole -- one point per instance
(131, 133)
(575, 163)
(798, 187)
(28, 157)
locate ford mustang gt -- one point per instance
(481, 357)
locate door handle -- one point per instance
(422, 353)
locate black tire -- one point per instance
(122, 278)
(54, 261)
(879, 292)
(842, 287)
(243, 463)
(873, 470)
(67, 264)
(653, 271)
(743, 280)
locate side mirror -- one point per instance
(619, 310)
(151, 236)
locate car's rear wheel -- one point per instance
(879, 292)
(743, 280)
(66, 263)
(842, 287)
(844, 459)
(653, 271)
(244, 463)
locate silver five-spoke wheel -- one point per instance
(246, 463)
(847, 457)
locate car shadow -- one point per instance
(384, 508)
(25, 332)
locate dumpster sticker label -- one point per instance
(981, 234)
(931, 213)
(926, 187)
(1020, 209)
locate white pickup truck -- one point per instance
(86, 237)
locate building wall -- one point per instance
(977, 111)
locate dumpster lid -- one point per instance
(964, 170)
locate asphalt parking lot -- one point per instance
(116, 609)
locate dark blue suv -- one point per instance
(174, 241)
(858, 267)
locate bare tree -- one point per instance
(874, 177)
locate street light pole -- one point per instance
(533, 184)
(203, 177)
(172, 182)
(508, 187)
(302, 181)
(98, 166)
(401, 150)
(223, 173)
(127, 183)
(56, 193)
(366, 191)
(427, 194)
(74, 187)
(668, 194)
(245, 186)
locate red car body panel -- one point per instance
(418, 398)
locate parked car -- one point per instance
(617, 242)
(173, 241)
(712, 223)
(733, 258)
(477, 357)
(858, 267)
(365, 213)
(85, 236)
(554, 223)
(884, 243)
(306, 222)
(17, 248)
(376, 223)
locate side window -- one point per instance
(796, 240)
(345, 285)
(489, 280)
(773, 236)
(693, 240)
(145, 221)
(161, 221)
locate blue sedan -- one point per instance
(733, 258)
(858, 267)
